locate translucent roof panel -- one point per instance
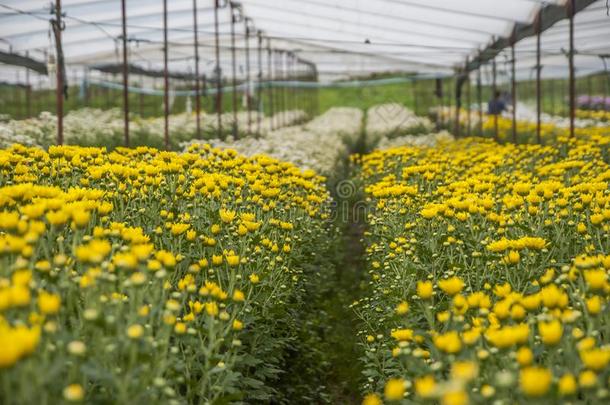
(343, 38)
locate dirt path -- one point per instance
(343, 350)
(327, 360)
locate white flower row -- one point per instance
(323, 141)
(317, 145)
(392, 120)
(90, 126)
(424, 140)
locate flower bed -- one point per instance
(393, 120)
(488, 273)
(140, 276)
(317, 145)
(90, 127)
(551, 129)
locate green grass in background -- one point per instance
(13, 101)
(420, 98)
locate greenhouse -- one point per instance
(304, 202)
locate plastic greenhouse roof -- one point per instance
(344, 38)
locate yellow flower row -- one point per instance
(489, 272)
(124, 273)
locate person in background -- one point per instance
(497, 105)
(508, 100)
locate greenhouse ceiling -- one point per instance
(343, 38)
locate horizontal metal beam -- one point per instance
(116, 68)
(13, 85)
(14, 59)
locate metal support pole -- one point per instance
(494, 90)
(218, 73)
(316, 99)
(282, 63)
(308, 102)
(315, 92)
(468, 104)
(86, 86)
(571, 8)
(414, 88)
(310, 93)
(289, 88)
(270, 83)
(106, 94)
(607, 82)
(562, 100)
(112, 96)
(480, 100)
(441, 100)
(248, 87)
(538, 77)
(293, 77)
(278, 90)
(296, 77)
(458, 104)
(74, 84)
(438, 92)
(234, 70)
(37, 99)
(286, 91)
(306, 92)
(141, 97)
(287, 64)
(155, 105)
(282, 71)
(259, 100)
(445, 103)
(28, 91)
(552, 95)
(125, 76)
(607, 92)
(513, 91)
(165, 79)
(450, 95)
(43, 99)
(17, 97)
(197, 95)
(277, 93)
(59, 92)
